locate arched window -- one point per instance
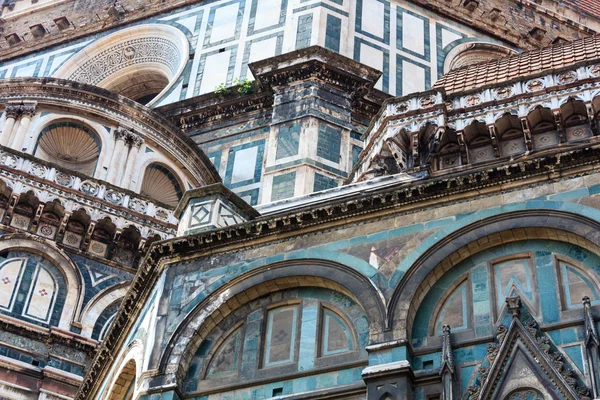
(576, 284)
(31, 288)
(269, 337)
(336, 336)
(161, 185)
(227, 357)
(453, 311)
(71, 145)
(124, 385)
(281, 336)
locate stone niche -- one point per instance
(211, 207)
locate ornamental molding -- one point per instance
(484, 105)
(23, 173)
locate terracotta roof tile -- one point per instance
(591, 7)
(522, 65)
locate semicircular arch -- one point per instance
(181, 346)
(441, 250)
(157, 53)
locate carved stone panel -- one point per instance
(580, 132)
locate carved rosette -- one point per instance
(90, 188)
(113, 197)
(138, 205)
(38, 170)
(63, 179)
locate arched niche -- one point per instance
(141, 62)
(161, 184)
(278, 276)
(472, 53)
(71, 145)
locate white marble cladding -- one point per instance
(98, 199)
(207, 213)
(486, 105)
(406, 42)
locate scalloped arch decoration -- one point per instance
(127, 57)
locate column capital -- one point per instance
(12, 111)
(134, 139)
(120, 134)
(28, 110)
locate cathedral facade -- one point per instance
(300, 199)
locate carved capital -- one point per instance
(514, 305)
(120, 134)
(28, 110)
(133, 139)
(12, 111)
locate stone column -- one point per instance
(27, 112)
(12, 112)
(136, 142)
(116, 162)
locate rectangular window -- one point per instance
(281, 335)
(329, 143)
(288, 140)
(356, 154)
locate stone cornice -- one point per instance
(574, 161)
(316, 62)
(48, 336)
(310, 63)
(93, 100)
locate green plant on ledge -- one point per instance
(222, 90)
(245, 86)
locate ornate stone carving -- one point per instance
(113, 196)
(131, 52)
(38, 170)
(535, 85)
(9, 160)
(473, 100)
(138, 205)
(90, 188)
(527, 338)
(427, 101)
(566, 77)
(12, 111)
(63, 179)
(503, 92)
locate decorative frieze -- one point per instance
(413, 113)
(123, 207)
